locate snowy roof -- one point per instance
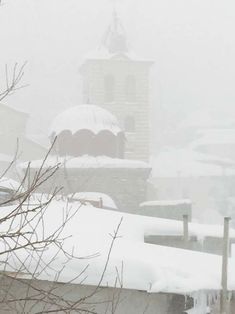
(88, 162)
(165, 202)
(143, 266)
(187, 162)
(214, 136)
(107, 201)
(10, 184)
(209, 118)
(85, 117)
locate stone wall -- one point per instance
(127, 187)
(94, 73)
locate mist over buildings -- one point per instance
(191, 43)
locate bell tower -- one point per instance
(117, 80)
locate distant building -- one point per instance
(216, 141)
(118, 81)
(13, 138)
(207, 180)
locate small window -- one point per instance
(129, 124)
(109, 87)
(130, 88)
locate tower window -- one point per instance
(130, 88)
(109, 87)
(129, 124)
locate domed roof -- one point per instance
(85, 117)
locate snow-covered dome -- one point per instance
(87, 130)
(85, 117)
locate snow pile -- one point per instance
(88, 162)
(85, 117)
(143, 266)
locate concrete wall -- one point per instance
(208, 245)
(105, 301)
(167, 211)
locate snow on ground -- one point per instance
(142, 266)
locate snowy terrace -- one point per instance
(88, 162)
(162, 269)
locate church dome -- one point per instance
(85, 117)
(87, 130)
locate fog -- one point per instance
(137, 99)
(191, 42)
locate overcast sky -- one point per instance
(191, 41)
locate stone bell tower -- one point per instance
(115, 79)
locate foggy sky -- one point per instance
(191, 41)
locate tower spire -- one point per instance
(114, 39)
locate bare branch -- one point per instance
(13, 80)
